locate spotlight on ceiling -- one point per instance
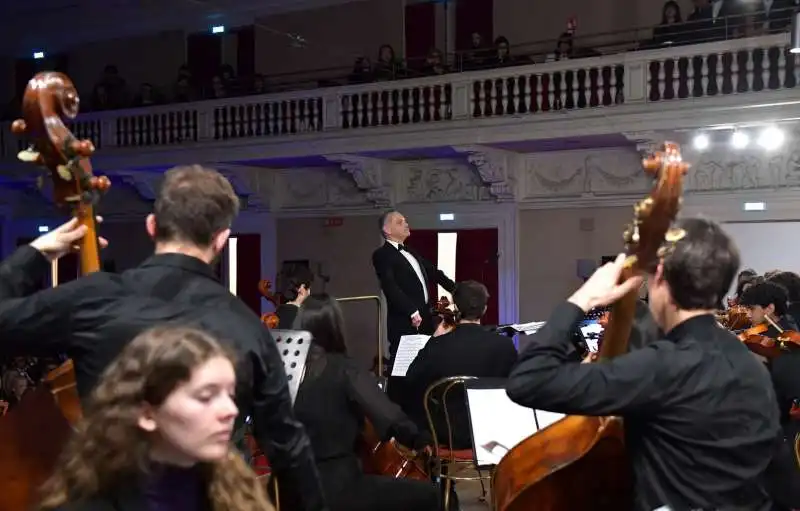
(701, 142)
(771, 138)
(739, 140)
(794, 47)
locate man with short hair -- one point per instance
(468, 350)
(91, 319)
(404, 277)
(700, 420)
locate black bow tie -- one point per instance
(401, 248)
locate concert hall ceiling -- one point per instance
(54, 25)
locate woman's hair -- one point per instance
(109, 451)
(667, 5)
(322, 316)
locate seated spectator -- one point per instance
(670, 31)
(433, 63)
(502, 53)
(362, 71)
(564, 48)
(476, 57)
(218, 89)
(147, 96)
(259, 85)
(184, 92)
(387, 67)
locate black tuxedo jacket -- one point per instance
(403, 290)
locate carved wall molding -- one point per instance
(649, 141)
(495, 169)
(368, 174)
(429, 181)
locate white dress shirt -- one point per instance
(415, 265)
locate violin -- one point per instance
(447, 314)
(270, 319)
(579, 463)
(35, 432)
(766, 346)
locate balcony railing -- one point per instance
(742, 66)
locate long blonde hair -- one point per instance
(108, 450)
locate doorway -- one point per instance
(463, 254)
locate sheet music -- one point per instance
(528, 328)
(498, 424)
(407, 351)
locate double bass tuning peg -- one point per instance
(19, 127)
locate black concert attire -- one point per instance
(333, 401)
(786, 322)
(469, 350)
(644, 329)
(793, 311)
(406, 291)
(700, 421)
(166, 488)
(92, 318)
(287, 313)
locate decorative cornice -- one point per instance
(494, 170)
(367, 174)
(647, 142)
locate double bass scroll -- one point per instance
(579, 463)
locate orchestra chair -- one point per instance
(450, 465)
(797, 449)
(293, 346)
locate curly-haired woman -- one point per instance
(156, 434)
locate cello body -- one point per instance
(576, 464)
(388, 458)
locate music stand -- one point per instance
(497, 424)
(293, 346)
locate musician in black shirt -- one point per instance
(91, 319)
(334, 399)
(700, 420)
(790, 281)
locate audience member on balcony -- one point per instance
(259, 85)
(671, 29)
(184, 92)
(502, 53)
(362, 71)
(707, 22)
(387, 67)
(147, 96)
(565, 48)
(100, 99)
(115, 88)
(229, 80)
(218, 89)
(433, 63)
(759, 17)
(476, 57)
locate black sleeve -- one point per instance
(441, 279)
(394, 295)
(386, 417)
(545, 378)
(43, 323)
(279, 434)
(22, 273)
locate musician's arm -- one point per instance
(441, 278)
(43, 323)
(386, 417)
(279, 434)
(22, 273)
(394, 295)
(546, 378)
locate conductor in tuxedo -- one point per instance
(404, 278)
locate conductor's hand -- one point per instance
(63, 239)
(416, 319)
(603, 286)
